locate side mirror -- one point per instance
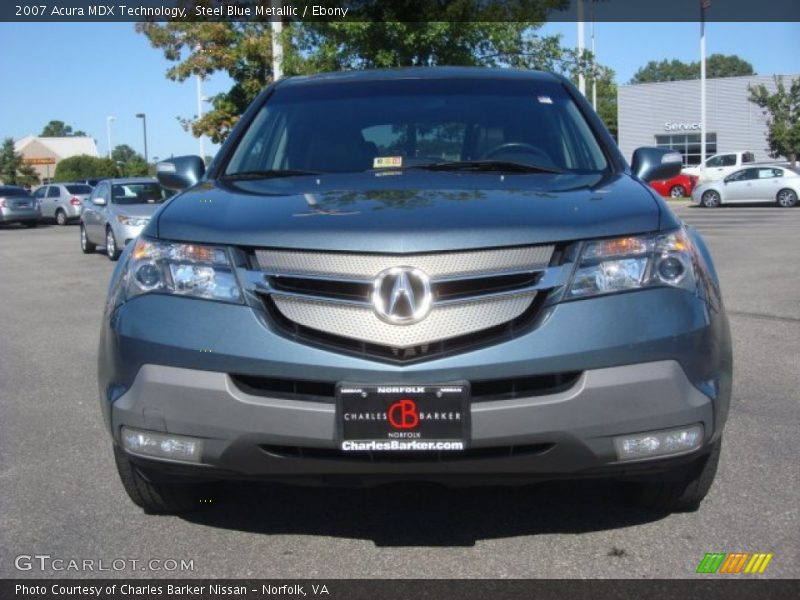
(99, 201)
(181, 172)
(656, 163)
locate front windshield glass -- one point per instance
(137, 193)
(348, 127)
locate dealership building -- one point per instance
(668, 115)
(44, 153)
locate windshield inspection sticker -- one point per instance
(382, 162)
(544, 99)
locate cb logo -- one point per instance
(403, 414)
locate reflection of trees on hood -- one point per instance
(396, 199)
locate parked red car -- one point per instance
(680, 186)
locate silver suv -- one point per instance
(62, 201)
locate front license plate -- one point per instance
(400, 418)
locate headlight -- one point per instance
(615, 265)
(182, 269)
(132, 221)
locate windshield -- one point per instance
(9, 191)
(137, 193)
(389, 124)
(79, 189)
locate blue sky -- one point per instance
(80, 73)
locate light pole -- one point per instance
(704, 4)
(581, 78)
(143, 117)
(594, 65)
(108, 132)
(200, 113)
(277, 45)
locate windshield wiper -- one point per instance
(266, 174)
(506, 166)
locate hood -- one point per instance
(136, 210)
(409, 211)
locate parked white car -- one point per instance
(762, 183)
(720, 166)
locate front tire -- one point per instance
(685, 492)
(112, 251)
(677, 191)
(159, 497)
(87, 247)
(786, 198)
(61, 217)
(711, 199)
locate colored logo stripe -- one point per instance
(711, 562)
(759, 562)
(734, 562)
(722, 562)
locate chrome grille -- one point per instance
(444, 322)
(367, 266)
(472, 291)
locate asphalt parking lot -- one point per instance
(60, 496)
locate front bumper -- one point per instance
(641, 371)
(125, 233)
(568, 433)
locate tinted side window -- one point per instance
(100, 191)
(748, 157)
(40, 192)
(79, 189)
(738, 176)
(728, 160)
(53, 191)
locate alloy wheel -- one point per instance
(787, 198)
(677, 191)
(711, 199)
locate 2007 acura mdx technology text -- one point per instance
(425, 274)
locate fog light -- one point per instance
(659, 443)
(162, 445)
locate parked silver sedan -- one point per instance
(62, 201)
(117, 211)
(18, 206)
(759, 183)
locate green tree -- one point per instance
(60, 129)
(447, 33)
(606, 92)
(783, 117)
(717, 65)
(128, 162)
(13, 168)
(84, 166)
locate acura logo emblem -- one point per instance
(402, 295)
